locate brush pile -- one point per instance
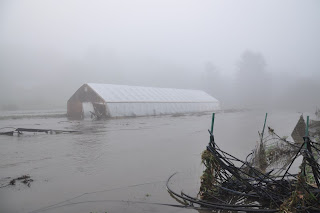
(261, 182)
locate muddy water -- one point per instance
(119, 165)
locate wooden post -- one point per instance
(306, 141)
(264, 125)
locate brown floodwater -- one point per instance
(119, 165)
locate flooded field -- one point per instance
(119, 165)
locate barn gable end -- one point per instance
(85, 94)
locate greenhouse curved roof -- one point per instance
(123, 93)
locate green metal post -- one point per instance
(307, 127)
(264, 125)
(212, 122)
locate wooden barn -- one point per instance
(107, 100)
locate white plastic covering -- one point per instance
(124, 100)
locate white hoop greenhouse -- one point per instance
(119, 101)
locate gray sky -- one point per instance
(50, 48)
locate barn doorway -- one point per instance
(87, 110)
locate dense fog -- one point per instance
(247, 54)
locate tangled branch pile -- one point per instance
(257, 184)
(254, 182)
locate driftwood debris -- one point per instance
(20, 131)
(25, 179)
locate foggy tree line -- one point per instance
(254, 86)
(47, 79)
